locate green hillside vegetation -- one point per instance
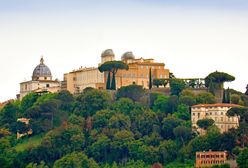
(93, 131)
(28, 142)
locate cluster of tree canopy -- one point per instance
(92, 130)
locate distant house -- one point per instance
(25, 121)
(217, 112)
(210, 158)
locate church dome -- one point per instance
(127, 55)
(108, 52)
(41, 71)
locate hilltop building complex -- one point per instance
(138, 73)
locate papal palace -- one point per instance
(138, 73)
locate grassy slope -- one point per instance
(27, 142)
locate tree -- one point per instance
(108, 85)
(192, 83)
(157, 82)
(205, 123)
(150, 79)
(246, 93)
(168, 124)
(112, 67)
(235, 99)
(100, 149)
(176, 86)
(75, 160)
(242, 159)
(8, 116)
(226, 96)
(183, 133)
(91, 101)
(119, 122)
(187, 100)
(218, 78)
(205, 98)
(168, 151)
(134, 92)
(161, 104)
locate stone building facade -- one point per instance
(41, 80)
(217, 112)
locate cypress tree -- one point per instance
(150, 78)
(228, 96)
(113, 85)
(108, 82)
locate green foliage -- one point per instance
(176, 86)
(160, 82)
(35, 165)
(205, 123)
(150, 78)
(75, 160)
(242, 159)
(182, 112)
(108, 84)
(28, 101)
(226, 165)
(218, 77)
(70, 130)
(205, 98)
(113, 67)
(168, 124)
(235, 99)
(134, 92)
(165, 104)
(168, 151)
(28, 142)
(91, 101)
(183, 133)
(8, 117)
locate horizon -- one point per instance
(192, 38)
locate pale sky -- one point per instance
(192, 37)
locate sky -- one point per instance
(192, 37)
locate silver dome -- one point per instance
(127, 55)
(41, 70)
(108, 52)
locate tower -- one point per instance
(107, 55)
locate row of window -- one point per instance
(147, 67)
(212, 162)
(210, 156)
(210, 113)
(141, 76)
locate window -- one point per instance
(193, 114)
(198, 115)
(210, 113)
(141, 75)
(221, 113)
(221, 118)
(47, 85)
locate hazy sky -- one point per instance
(192, 37)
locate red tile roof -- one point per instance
(217, 105)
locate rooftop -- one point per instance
(217, 105)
